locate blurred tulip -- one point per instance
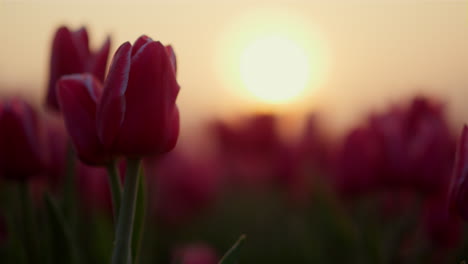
(22, 141)
(418, 146)
(296, 183)
(403, 148)
(313, 145)
(52, 177)
(57, 147)
(184, 187)
(358, 163)
(79, 95)
(195, 254)
(137, 115)
(93, 189)
(442, 227)
(70, 55)
(459, 184)
(250, 151)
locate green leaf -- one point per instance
(232, 256)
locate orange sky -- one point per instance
(376, 51)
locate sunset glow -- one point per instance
(274, 69)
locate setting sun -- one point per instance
(272, 60)
(274, 69)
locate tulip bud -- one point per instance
(137, 115)
(79, 95)
(70, 55)
(21, 141)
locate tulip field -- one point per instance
(94, 174)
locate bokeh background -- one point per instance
(362, 53)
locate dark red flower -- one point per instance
(79, 95)
(412, 147)
(172, 56)
(459, 184)
(250, 150)
(418, 146)
(57, 148)
(138, 115)
(183, 186)
(358, 163)
(313, 145)
(71, 54)
(22, 141)
(195, 254)
(93, 189)
(442, 227)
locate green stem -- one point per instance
(69, 194)
(123, 238)
(115, 187)
(28, 220)
(139, 217)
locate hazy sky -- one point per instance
(364, 53)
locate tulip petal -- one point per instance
(150, 101)
(172, 133)
(111, 109)
(65, 59)
(139, 43)
(459, 184)
(78, 95)
(81, 40)
(172, 56)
